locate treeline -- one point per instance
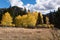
(15, 16)
(54, 17)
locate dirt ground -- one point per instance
(9, 33)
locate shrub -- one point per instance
(45, 26)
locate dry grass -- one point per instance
(28, 34)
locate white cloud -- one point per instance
(43, 6)
(18, 3)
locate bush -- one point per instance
(45, 26)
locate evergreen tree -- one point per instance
(39, 19)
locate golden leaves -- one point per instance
(25, 20)
(6, 19)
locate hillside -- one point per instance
(29, 34)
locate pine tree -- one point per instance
(39, 19)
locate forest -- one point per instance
(19, 17)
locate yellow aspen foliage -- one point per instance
(35, 14)
(6, 19)
(41, 17)
(31, 20)
(18, 21)
(47, 20)
(21, 20)
(25, 20)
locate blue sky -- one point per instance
(28, 1)
(43, 6)
(6, 3)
